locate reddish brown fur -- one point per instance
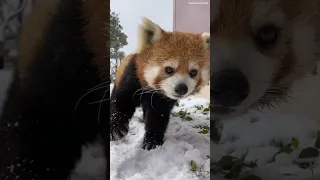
(180, 46)
(97, 15)
(33, 33)
(34, 29)
(227, 23)
(120, 69)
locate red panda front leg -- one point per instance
(157, 111)
(124, 101)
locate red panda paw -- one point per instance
(152, 143)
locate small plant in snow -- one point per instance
(308, 156)
(294, 144)
(204, 129)
(182, 114)
(234, 168)
(200, 173)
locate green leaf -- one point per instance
(286, 149)
(193, 166)
(208, 156)
(188, 118)
(206, 109)
(205, 127)
(295, 143)
(309, 152)
(205, 130)
(251, 177)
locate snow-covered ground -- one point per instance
(184, 154)
(257, 138)
(265, 140)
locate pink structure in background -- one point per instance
(191, 15)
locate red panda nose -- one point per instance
(230, 87)
(181, 89)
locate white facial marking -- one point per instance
(169, 84)
(150, 74)
(205, 75)
(193, 65)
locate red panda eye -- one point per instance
(169, 70)
(193, 73)
(266, 36)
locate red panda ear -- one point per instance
(206, 39)
(148, 32)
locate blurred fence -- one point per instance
(12, 14)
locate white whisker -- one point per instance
(92, 90)
(100, 105)
(151, 100)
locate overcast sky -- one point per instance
(131, 11)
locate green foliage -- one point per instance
(181, 114)
(231, 167)
(309, 152)
(177, 104)
(204, 129)
(204, 110)
(235, 168)
(117, 37)
(193, 166)
(117, 40)
(294, 144)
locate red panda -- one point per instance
(260, 48)
(167, 66)
(48, 114)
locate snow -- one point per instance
(256, 135)
(171, 161)
(183, 144)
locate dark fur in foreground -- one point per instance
(45, 136)
(126, 96)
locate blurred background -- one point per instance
(12, 15)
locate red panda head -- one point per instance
(259, 48)
(175, 63)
